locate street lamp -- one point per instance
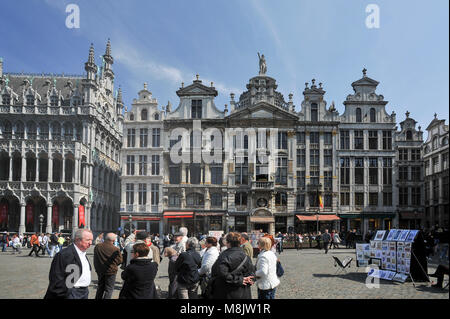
(227, 216)
(130, 220)
(41, 220)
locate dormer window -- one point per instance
(372, 115)
(196, 109)
(54, 100)
(435, 142)
(156, 116)
(131, 117)
(358, 115)
(408, 135)
(30, 100)
(314, 112)
(144, 115)
(6, 99)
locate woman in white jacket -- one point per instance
(266, 270)
(208, 259)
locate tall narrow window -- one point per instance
(314, 112)
(142, 194)
(373, 171)
(328, 138)
(387, 140)
(130, 194)
(328, 180)
(196, 109)
(403, 196)
(301, 179)
(358, 115)
(131, 137)
(300, 138)
(359, 140)
(387, 171)
(373, 140)
(195, 173)
(280, 199)
(130, 164)
(143, 165)
(241, 171)
(281, 171)
(372, 115)
(143, 137)
(345, 140)
(328, 157)
(216, 174)
(240, 199)
(345, 170)
(301, 157)
(155, 164)
(282, 140)
(144, 115)
(155, 194)
(359, 171)
(409, 135)
(156, 138)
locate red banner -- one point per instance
(3, 213)
(55, 215)
(29, 210)
(81, 216)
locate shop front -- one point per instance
(173, 220)
(208, 221)
(318, 222)
(411, 220)
(364, 222)
(153, 224)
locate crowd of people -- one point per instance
(211, 268)
(39, 243)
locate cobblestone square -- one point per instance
(309, 274)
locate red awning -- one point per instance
(314, 217)
(178, 214)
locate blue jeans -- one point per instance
(52, 250)
(266, 294)
(4, 245)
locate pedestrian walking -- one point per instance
(4, 242)
(266, 270)
(326, 238)
(107, 258)
(34, 242)
(186, 267)
(171, 254)
(139, 276)
(336, 240)
(73, 257)
(53, 244)
(61, 241)
(233, 271)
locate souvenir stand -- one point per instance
(398, 254)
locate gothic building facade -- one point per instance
(60, 140)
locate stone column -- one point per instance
(76, 178)
(48, 229)
(63, 175)
(87, 217)
(50, 168)
(22, 219)
(75, 218)
(38, 167)
(23, 175)
(10, 167)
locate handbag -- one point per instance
(280, 270)
(207, 293)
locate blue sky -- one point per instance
(165, 43)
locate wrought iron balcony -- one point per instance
(262, 185)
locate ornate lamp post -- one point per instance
(227, 217)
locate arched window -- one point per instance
(358, 115)
(408, 135)
(131, 117)
(54, 100)
(31, 130)
(216, 200)
(174, 200)
(372, 115)
(6, 99)
(43, 130)
(195, 199)
(144, 115)
(435, 142)
(56, 130)
(30, 100)
(68, 131)
(19, 129)
(444, 141)
(7, 129)
(314, 112)
(156, 116)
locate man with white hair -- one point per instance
(70, 272)
(107, 258)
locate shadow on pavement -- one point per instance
(358, 277)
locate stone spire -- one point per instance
(90, 66)
(119, 96)
(107, 56)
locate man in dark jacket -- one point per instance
(186, 268)
(139, 276)
(70, 272)
(326, 238)
(107, 259)
(230, 280)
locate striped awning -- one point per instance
(317, 217)
(178, 214)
